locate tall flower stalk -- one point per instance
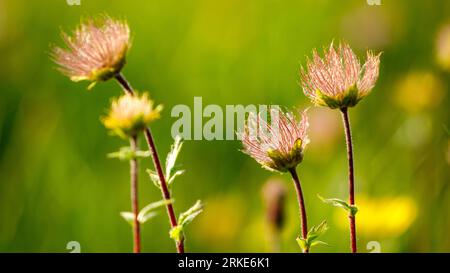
(134, 196)
(339, 81)
(96, 52)
(301, 205)
(279, 146)
(127, 117)
(351, 178)
(126, 86)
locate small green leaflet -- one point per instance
(126, 153)
(340, 204)
(189, 215)
(171, 171)
(177, 233)
(146, 213)
(154, 178)
(172, 157)
(311, 238)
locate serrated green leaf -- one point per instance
(154, 177)
(147, 212)
(175, 175)
(189, 215)
(311, 238)
(172, 156)
(340, 204)
(317, 231)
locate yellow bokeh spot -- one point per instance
(419, 91)
(381, 217)
(220, 223)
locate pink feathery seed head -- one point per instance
(96, 51)
(338, 80)
(277, 145)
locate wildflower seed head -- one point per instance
(338, 80)
(131, 114)
(277, 146)
(95, 52)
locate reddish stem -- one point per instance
(134, 197)
(301, 204)
(151, 144)
(351, 180)
(164, 189)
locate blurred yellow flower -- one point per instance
(221, 222)
(381, 217)
(131, 114)
(419, 91)
(443, 47)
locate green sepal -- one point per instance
(283, 162)
(348, 99)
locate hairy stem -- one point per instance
(151, 144)
(351, 180)
(134, 197)
(301, 204)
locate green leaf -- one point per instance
(352, 209)
(311, 238)
(175, 175)
(154, 178)
(172, 156)
(189, 215)
(315, 243)
(317, 231)
(302, 244)
(142, 154)
(145, 217)
(147, 212)
(128, 216)
(176, 233)
(126, 153)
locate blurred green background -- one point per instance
(56, 184)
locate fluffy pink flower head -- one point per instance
(278, 145)
(96, 51)
(338, 80)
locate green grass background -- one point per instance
(56, 184)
